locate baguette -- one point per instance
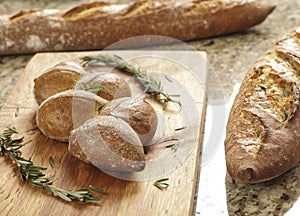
(97, 25)
(263, 129)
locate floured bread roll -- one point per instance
(58, 78)
(108, 143)
(106, 85)
(62, 112)
(137, 112)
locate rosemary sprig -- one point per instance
(93, 88)
(151, 86)
(101, 106)
(17, 112)
(94, 188)
(181, 128)
(172, 146)
(51, 162)
(262, 87)
(30, 172)
(285, 115)
(161, 184)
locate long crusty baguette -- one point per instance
(263, 130)
(99, 24)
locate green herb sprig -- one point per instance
(93, 88)
(161, 183)
(151, 86)
(172, 146)
(30, 172)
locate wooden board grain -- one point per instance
(126, 197)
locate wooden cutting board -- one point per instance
(126, 197)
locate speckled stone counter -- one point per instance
(229, 58)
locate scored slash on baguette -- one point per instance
(263, 129)
(97, 25)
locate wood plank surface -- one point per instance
(126, 197)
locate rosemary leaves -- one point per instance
(51, 162)
(151, 86)
(93, 88)
(30, 172)
(161, 183)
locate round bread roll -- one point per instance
(108, 143)
(61, 77)
(62, 112)
(135, 111)
(106, 85)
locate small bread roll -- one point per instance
(138, 113)
(108, 143)
(61, 77)
(106, 85)
(61, 113)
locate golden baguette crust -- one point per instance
(97, 25)
(263, 130)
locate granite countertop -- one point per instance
(229, 58)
